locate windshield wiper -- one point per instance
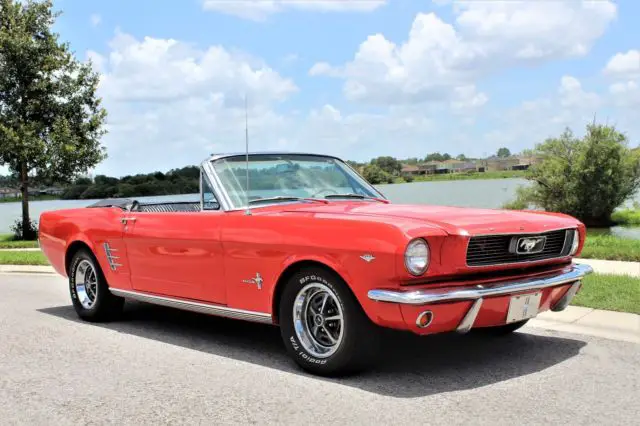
(358, 196)
(284, 198)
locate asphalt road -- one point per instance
(160, 366)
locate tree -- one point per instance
(436, 156)
(504, 152)
(388, 164)
(461, 157)
(51, 121)
(375, 175)
(584, 177)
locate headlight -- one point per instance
(416, 256)
(575, 243)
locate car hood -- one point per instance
(453, 220)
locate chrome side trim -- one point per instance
(203, 308)
(470, 318)
(111, 258)
(438, 295)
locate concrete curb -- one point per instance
(20, 249)
(26, 269)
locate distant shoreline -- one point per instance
(506, 174)
(31, 198)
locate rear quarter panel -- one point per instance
(59, 229)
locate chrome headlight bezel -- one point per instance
(575, 243)
(417, 256)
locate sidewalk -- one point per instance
(593, 322)
(614, 267)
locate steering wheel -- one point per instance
(329, 190)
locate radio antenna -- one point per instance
(246, 139)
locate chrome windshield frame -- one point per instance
(225, 200)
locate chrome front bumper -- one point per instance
(439, 295)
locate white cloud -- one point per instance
(156, 70)
(626, 95)
(624, 64)
(571, 106)
(95, 20)
(259, 10)
(572, 95)
(487, 37)
(171, 103)
(624, 68)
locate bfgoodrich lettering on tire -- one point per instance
(89, 290)
(323, 327)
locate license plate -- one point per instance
(523, 307)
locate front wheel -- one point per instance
(89, 290)
(323, 327)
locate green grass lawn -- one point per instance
(609, 247)
(31, 198)
(22, 258)
(7, 242)
(610, 292)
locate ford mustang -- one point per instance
(302, 241)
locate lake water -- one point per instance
(462, 193)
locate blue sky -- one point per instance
(354, 78)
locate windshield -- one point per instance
(287, 177)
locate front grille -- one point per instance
(490, 250)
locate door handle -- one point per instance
(124, 220)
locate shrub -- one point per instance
(587, 178)
(375, 175)
(31, 235)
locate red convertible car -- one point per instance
(304, 242)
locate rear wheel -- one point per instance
(323, 327)
(502, 330)
(89, 290)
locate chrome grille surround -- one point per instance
(499, 249)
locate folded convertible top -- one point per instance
(123, 203)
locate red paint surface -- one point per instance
(207, 255)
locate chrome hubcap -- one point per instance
(86, 284)
(318, 320)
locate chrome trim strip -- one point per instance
(218, 189)
(200, 307)
(243, 154)
(515, 234)
(470, 318)
(450, 294)
(111, 258)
